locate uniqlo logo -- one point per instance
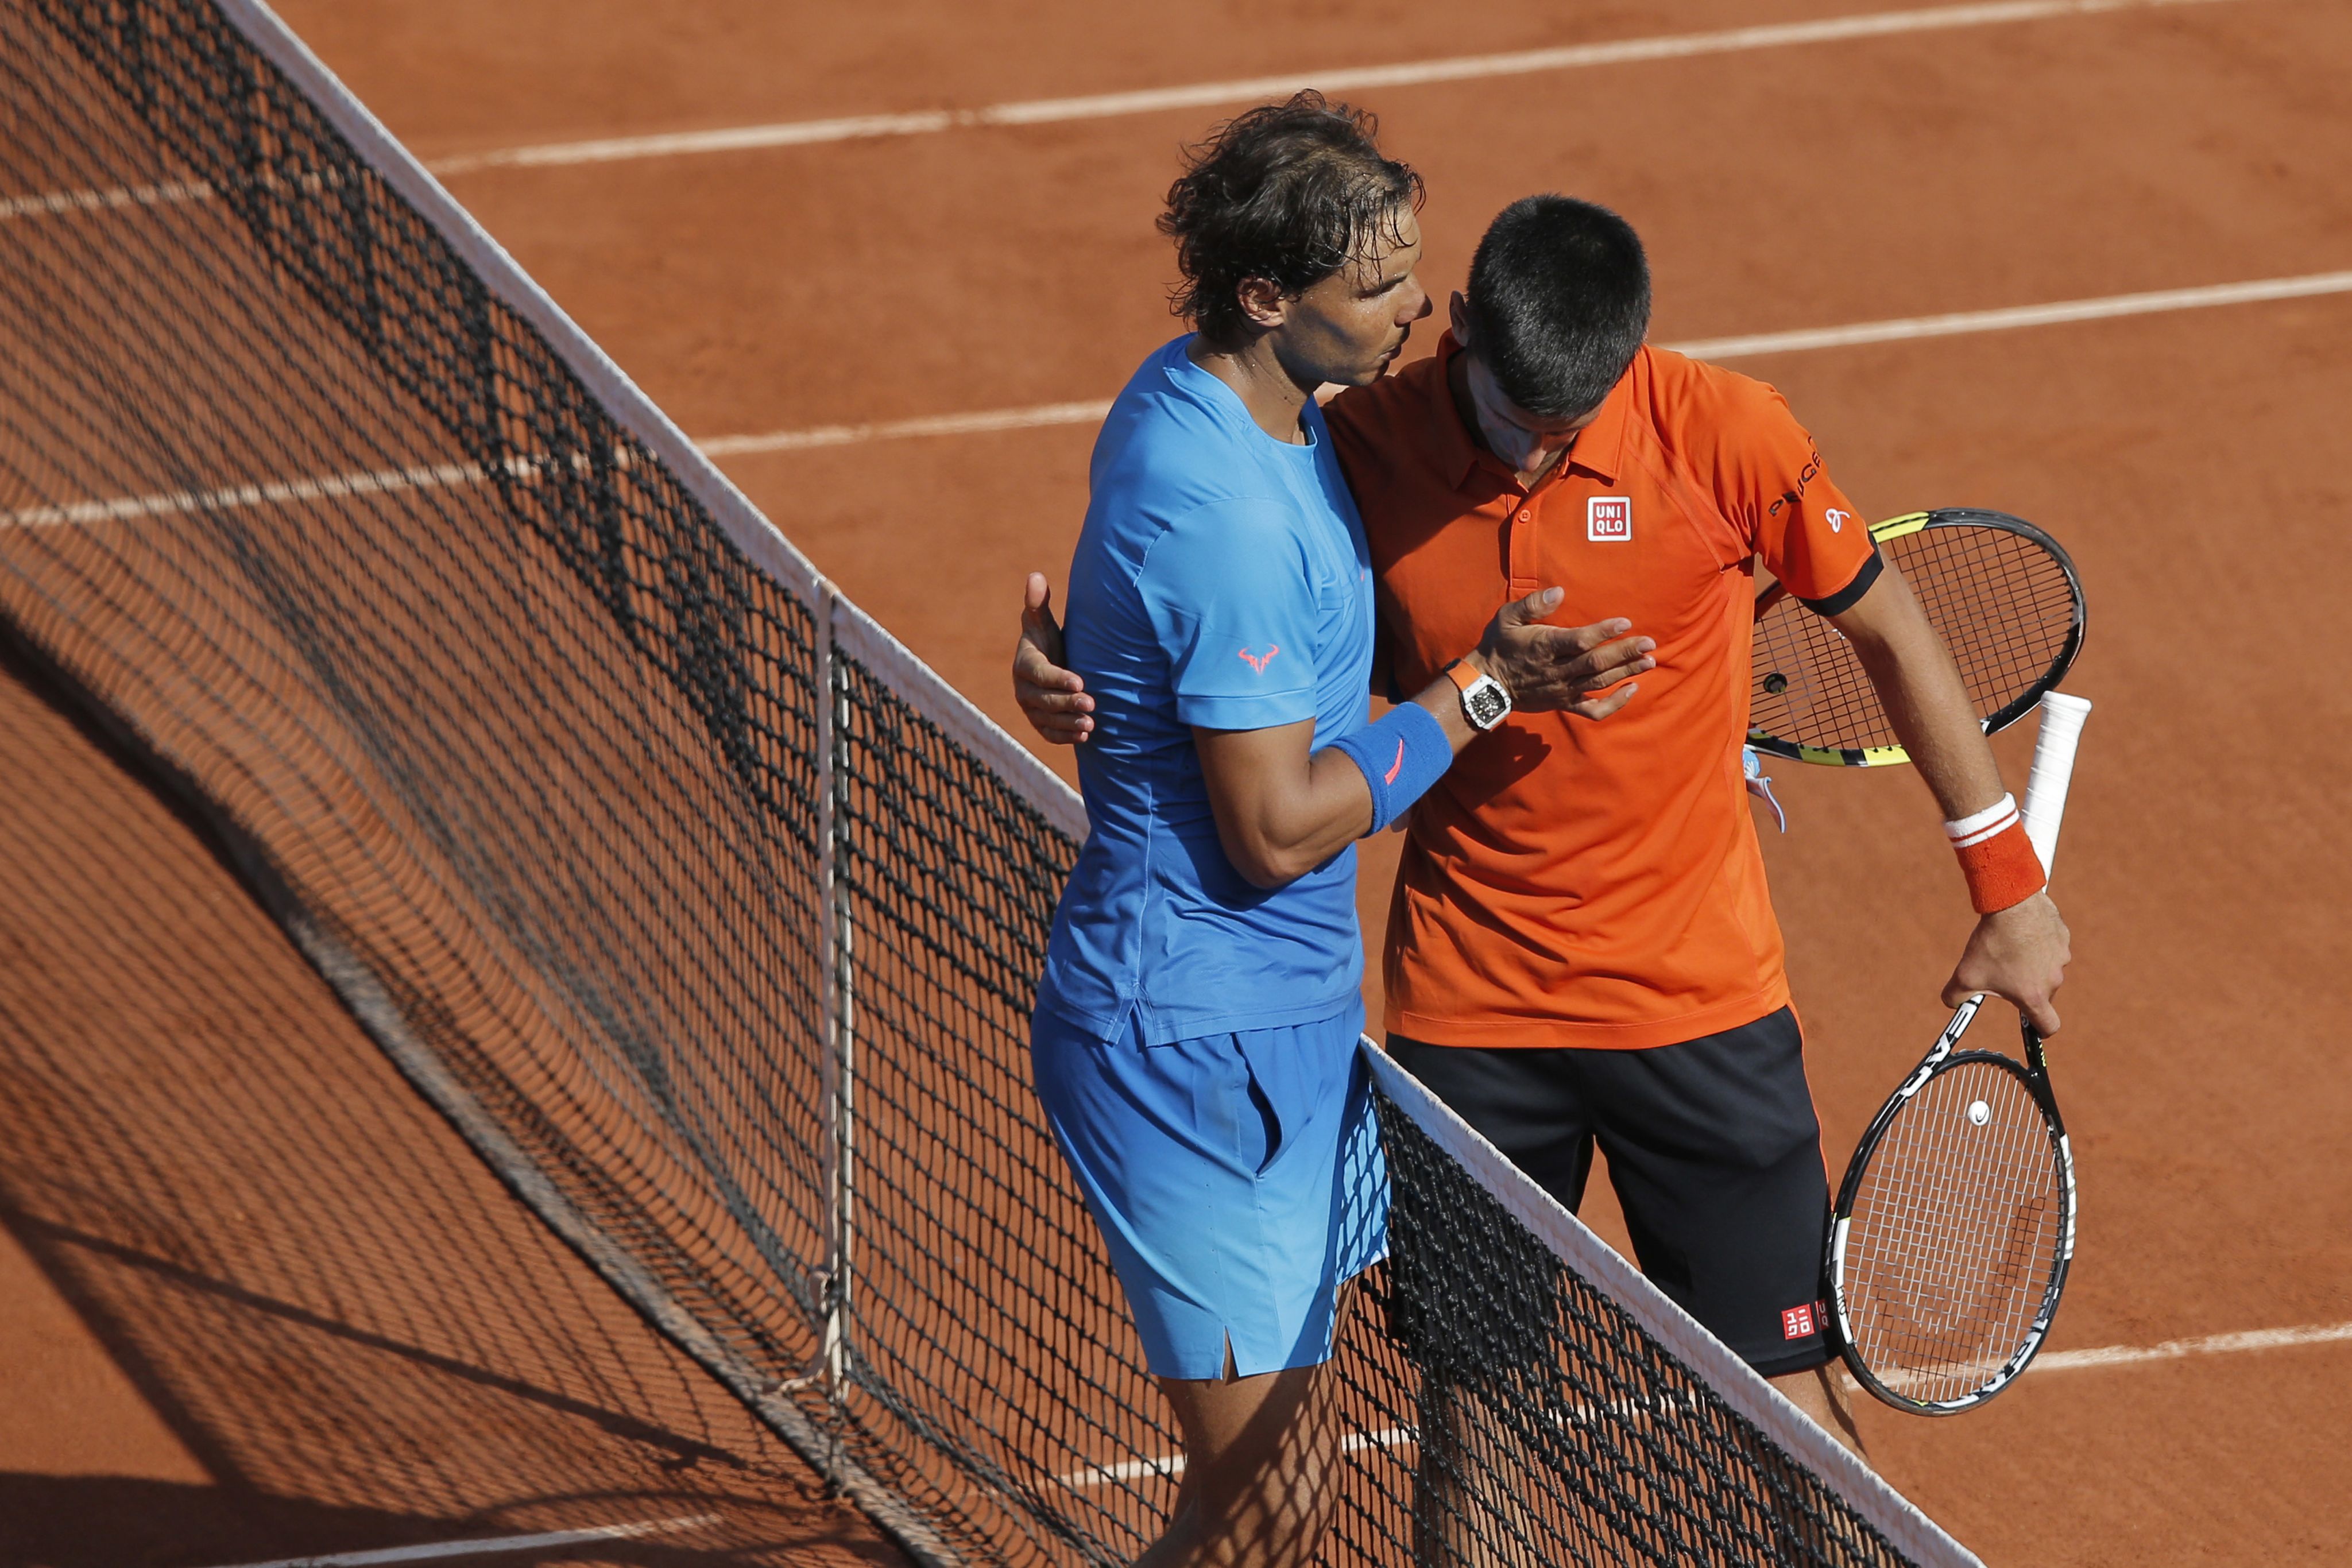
(1608, 518)
(1798, 1322)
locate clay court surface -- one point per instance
(259, 1299)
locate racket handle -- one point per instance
(2053, 770)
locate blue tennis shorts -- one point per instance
(1237, 1179)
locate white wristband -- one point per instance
(1979, 826)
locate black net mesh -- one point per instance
(713, 940)
(1508, 1410)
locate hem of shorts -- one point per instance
(1330, 1344)
(1172, 1027)
(1790, 1362)
(1242, 1368)
(1542, 1033)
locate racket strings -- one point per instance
(2003, 603)
(1998, 654)
(1955, 1234)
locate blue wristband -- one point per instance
(1402, 757)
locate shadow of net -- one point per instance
(341, 1314)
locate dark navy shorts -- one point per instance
(1713, 1150)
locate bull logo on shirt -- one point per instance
(1258, 661)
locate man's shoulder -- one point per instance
(1380, 410)
(1164, 452)
(1158, 420)
(1696, 405)
(1178, 541)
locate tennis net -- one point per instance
(707, 914)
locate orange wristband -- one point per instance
(1997, 858)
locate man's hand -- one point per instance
(1054, 698)
(2020, 953)
(1549, 668)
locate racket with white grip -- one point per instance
(1955, 1225)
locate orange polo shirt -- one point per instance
(1570, 883)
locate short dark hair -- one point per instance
(1288, 192)
(1559, 303)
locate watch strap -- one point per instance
(1479, 692)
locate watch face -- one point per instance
(1486, 704)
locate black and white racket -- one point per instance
(1955, 1224)
(1999, 592)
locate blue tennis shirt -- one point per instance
(1221, 580)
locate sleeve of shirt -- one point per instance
(1770, 475)
(1231, 601)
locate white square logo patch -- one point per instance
(1608, 518)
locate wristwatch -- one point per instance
(1485, 701)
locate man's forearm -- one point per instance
(1281, 811)
(1920, 688)
(2018, 948)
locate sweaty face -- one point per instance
(1350, 327)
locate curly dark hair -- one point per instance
(1288, 192)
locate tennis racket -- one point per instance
(1999, 592)
(1955, 1224)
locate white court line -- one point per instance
(1038, 112)
(2206, 1344)
(101, 201)
(1173, 1465)
(483, 1545)
(1907, 327)
(171, 191)
(1896, 330)
(931, 424)
(330, 487)
(2051, 1360)
(1466, 67)
(383, 481)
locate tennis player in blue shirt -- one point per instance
(1194, 1040)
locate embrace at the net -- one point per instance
(1540, 545)
(713, 920)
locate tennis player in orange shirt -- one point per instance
(1581, 948)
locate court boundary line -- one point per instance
(2201, 1344)
(1099, 106)
(1903, 328)
(1146, 100)
(1173, 1465)
(485, 1545)
(1896, 330)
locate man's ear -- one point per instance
(1457, 315)
(1261, 301)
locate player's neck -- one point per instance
(1270, 392)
